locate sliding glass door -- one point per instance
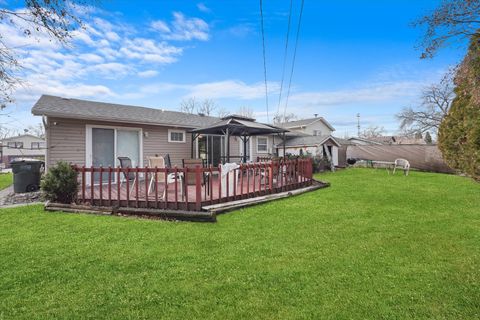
(105, 145)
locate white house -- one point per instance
(22, 146)
(313, 135)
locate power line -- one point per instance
(264, 58)
(294, 56)
(285, 57)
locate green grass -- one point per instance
(371, 246)
(5, 180)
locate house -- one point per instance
(313, 135)
(93, 135)
(22, 146)
(89, 133)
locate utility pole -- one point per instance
(358, 124)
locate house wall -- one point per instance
(314, 150)
(66, 140)
(8, 154)
(310, 129)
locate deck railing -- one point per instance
(188, 188)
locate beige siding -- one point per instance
(310, 129)
(66, 140)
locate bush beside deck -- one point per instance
(371, 246)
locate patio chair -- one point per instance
(190, 178)
(126, 162)
(402, 163)
(156, 162)
(168, 163)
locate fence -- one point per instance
(422, 157)
(188, 188)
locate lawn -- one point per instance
(371, 246)
(5, 180)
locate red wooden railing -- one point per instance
(188, 188)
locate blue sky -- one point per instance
(352, 57)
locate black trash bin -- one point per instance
(26, 175)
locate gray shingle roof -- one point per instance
(307, 141)
(91, 110)
(305, 122)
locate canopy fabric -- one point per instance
(239, 126)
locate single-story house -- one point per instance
(88, 133)
(22, 146)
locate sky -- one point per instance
(352, 57)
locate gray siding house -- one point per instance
(310, 136)
(95, 134)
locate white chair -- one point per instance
(402, 163)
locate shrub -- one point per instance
(60, 183)
(459, 132)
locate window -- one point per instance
(15, 145)
(262, 144)
(176, 136)
(317, 132)
(37, 145)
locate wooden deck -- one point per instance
(164, 193)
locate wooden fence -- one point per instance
(188, 188)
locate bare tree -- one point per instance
(435, 103)
(245, 112)
(188, 105)
(37, 130)
(7, 133)
(453, 20)
(207, 107)
(372, 132)
(222, 112)
(280, 118)
(54, 18)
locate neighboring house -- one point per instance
(310, 136)
(363, 142)
(89, 133)
(22, 146)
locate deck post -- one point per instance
(198, 188)
(228, 145)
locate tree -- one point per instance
(222, 112)
(280, 118)
(245, 112)
(436, 101)
(372, 132)
(459, 132)
(453, 20)
(428, 138)
(188, 105)
(37, 130)
(418, 135)
(207, 107)
(53, 18)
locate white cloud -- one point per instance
(91, 58)
(182, 28)
(231, 89)
(374, 93)
(148, 73)
(202, 7)
(160, 25)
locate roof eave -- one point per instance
(77, 117)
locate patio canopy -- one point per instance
(239, 126)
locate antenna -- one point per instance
(358, 124)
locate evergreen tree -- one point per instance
(428, 138)
(459, 132)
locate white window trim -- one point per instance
(183, 132)
(262, 151)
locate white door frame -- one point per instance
(88, 143)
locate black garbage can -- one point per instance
(26, 175)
